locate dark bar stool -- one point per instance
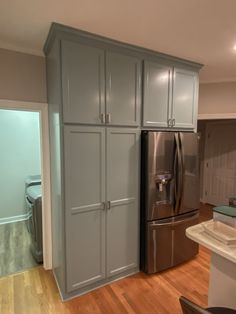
(189, 307)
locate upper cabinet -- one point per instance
(170, 96)
(82, 83)
(185, 98)
(104, 82)
(99, 87)
(123, 92)
(157, 94)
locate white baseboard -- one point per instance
(8, 220)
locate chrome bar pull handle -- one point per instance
(173, 122)
(103, 117)
(169, 122)
(108, 118)
(104, 206)
(108, 205)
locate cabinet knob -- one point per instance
(173, 122)
(169, 122)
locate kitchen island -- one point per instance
(222, 283)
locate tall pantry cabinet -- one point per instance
(101, 202)
(94, 96)
(101, 93)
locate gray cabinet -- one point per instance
(89, 214)
(157, 94)
(122, 192)
(170, 96)
(82, 83)
(84, 205)
(123, 93)
(185, 98)
(93, 95)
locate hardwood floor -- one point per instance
(15, 253)
(35, 291)
(206, 212)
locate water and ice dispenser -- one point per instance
(164, 188)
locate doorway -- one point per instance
(19, 158)
(218, 161)
(40, 109)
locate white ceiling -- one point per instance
(198, 30)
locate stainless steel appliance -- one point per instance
(32, 180)
(169, 198)
(33, 198)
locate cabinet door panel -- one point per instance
(122, 192)
(157, 88)
(123, 92)
(185, 94)
(82, 83)
(84, 202)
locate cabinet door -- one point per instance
(122, 193)
(185, 98)
(82, 83)
(123, 92)
(84, 203)
(157, 94)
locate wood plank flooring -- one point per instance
(206, 212)
(15, 253)
(35, 291)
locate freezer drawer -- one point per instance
(167, 244)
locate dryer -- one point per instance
(33, 197)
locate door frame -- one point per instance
(210, 123)
(42, 109)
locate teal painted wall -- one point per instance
(19, 157)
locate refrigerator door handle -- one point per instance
(178, 173)
(175, 178)
(182, 171)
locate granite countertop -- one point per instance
(197, 234)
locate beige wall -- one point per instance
(217, 98)
(22, 76)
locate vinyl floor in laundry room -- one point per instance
(15, 253)
(34, 291)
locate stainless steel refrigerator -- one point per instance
(169, 198)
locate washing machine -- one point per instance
(33, 198)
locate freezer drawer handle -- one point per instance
(175, 223)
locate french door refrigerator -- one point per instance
(169, 198)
